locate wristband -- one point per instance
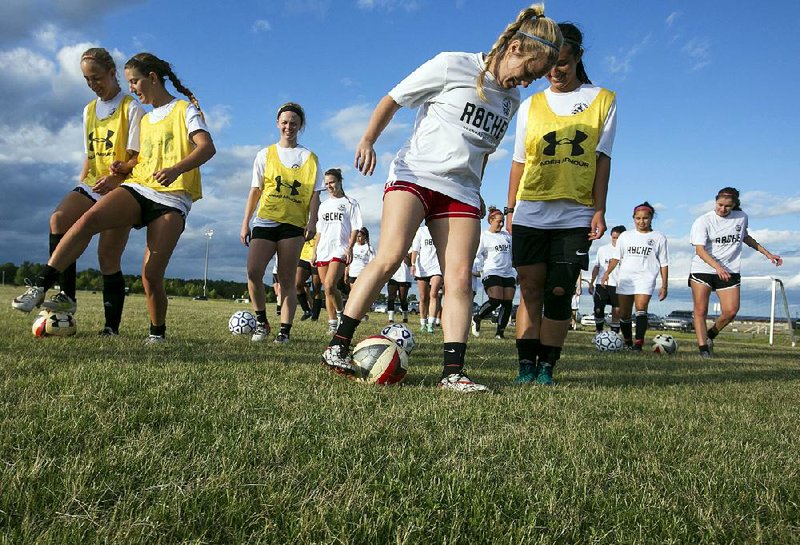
(508, 210)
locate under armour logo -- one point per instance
(292, 187)
(107, 140)
(553, 141)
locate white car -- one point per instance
(588, 319)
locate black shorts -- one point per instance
(502, 281)
(426, 278)
(531, 246)
(393, 282)
(85, 193)
(279, 232)
(605, 295)
(352, 279)
(152, 210)
(306, 266)
(275, 279)
(714, 282)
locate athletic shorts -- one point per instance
(637, 286)
(82, 191)
(436, 204)
(531, 246)
(306, 266)
(502, 281)
(426, 278)
(714, 282)
(393, 282)
(275, 279)
(279, 232)
(152, 210)
(605, 295)
(352, 279)
(331, 260)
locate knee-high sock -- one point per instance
(69, 278)
(505, 316)
(302, 299)
(488, 307)
(627, 330)
(113, 298)
(641, 325)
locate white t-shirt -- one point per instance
(180, 200)
(290, 158)
(337, 219)
(476, 274)
(641, 256)
(604, 255)
(403, 273)
(362, 254)
(427, 263)
(561, 213)
(722, 237)
(494, 255)
(454, 129)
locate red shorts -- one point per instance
(436, 205)
(331, 260)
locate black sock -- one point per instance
(453, 358)
(599, 321)
(317, 309)
(160, 330)
(346, 330)
(704, 348)
(261, 316)
(390, 306)
(713, 332)
(527, 350)
(627, 331)
(69, 277)
(302, 298)
(278, 311)
(505, 316)
(113, 299)
(641, 327)
(549, 354)
(488, 307)
(48, 278)
(286, 329)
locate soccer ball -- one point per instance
(54, 324)
(242, 323)
(401, 335)
(607, 341)
(665, 344)
(380, 360)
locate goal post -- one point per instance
(777, 299)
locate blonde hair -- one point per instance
(147, 62)
(530, 21)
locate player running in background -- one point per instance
(428, 274)
(398, 286)
(111, 134)
(284, 194)
(337, 227)
(558, 185)
(499, 277)
(158, 194)
(641, 255)
(308, 298)
(605, 295)
(362, 255)
(717, 237)
(465, 101)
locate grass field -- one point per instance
(210, 439)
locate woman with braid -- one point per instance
(158, 193)
(465, 103)
(556, 201)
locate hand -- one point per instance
(590, 289)
(509, 219)
(776, 260)
(244, 234)
(106, 184)
(349, 256)
(166, 176)
(598, 227)
(604, 280)
(366, 159)
(120, 168)
(662, 293)
(311, 232)
(722, 273)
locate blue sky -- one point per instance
(704, 101)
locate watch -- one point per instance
(507, 210)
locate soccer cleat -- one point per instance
(429, 328)
(108, 332)
(282, 338)
(476, 326)
(527, 373)
(337, 358)
(261, 333)
(705, 355)
(545, 377)
(499, 335)
(306, 315)
(332, 328)
(710, 345)
(61, 302)
(29, 300)
(459, 382)
(636, 348)
(154, 339)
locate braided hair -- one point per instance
(146, 63)
(530, 21)
(573, 37)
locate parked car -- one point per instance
(679, 320)
(379, 307)
(413, 307)
(654, 321)
(588, 320)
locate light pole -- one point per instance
(209, 233)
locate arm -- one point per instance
(249, 208)
(203, 151)
(513, 185)
(662, 293)
(84, 169)
(612, 264)
(599, 193)
(414, 255)
(118, 171)
(776, 259)
(314, 253)
(366, 159)
(349, 255)
(595, 272)
(703, 254)
(313, 213)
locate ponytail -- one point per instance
(147, 63)
(573, 37)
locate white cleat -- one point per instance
(29, 300)
(459, 382)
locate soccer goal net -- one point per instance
(764, 309)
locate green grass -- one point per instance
(210, 439)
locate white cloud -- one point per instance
(499, 155)
(623, 64)
(699, 52)
(672, 17)
(758, 204)
(32, 144)
(261, 25)
(218, 117)
(389, 5)
(24, 68)
(348, 125)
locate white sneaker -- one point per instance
(282, 338)
(332, 327)
(154, 339)
(261, 333)
(338, 360)
(459, 382)
(476, 327)
(29, 300)
(61, 302)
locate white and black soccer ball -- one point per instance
(380, 360)
(664, 344)
(242, 323)
(401, 335)
(54, 324)
(607, 341)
